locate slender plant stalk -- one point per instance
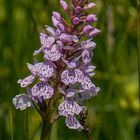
(84, 122)
(138, 52)
(46, 130)
(88, 134)
(27, 125)
(11, 122)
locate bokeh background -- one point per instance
(113, 114)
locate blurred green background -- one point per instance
(113, 114)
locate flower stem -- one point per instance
(86, 130)
(88, 134)
(46, 130)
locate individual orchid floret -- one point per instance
(76, 20)
(73, 123)
(43, 70)
(73, 76)
(57, 16)
(42, 90)
(87, 29)
(91, 18)
(53, 54)
(89, 6)
(87, 55)
(78, 9)
(46, 41)
(94, 32)
(22, 101)
(69, 108)
(69, 76)
(27, 81)
(64, 5)
(86, 83)
(88, 44)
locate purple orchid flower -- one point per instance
(67, 67)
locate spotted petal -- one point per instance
(43, 70)
(50, 30)
(73, 123)
(22, 101)
(52, 54)
(68, 107)
(64, 5)
(79, 75)
(87, 56)
(27, 81)
(87, 94)
(86, 83)
(88, 44)
(68, 77)
(46, 41)
(42, 90)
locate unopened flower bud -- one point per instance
(64, 5)
(57, 16)
(76, 20)
(87, 29)
(55, 21)
(78, 9)
(61, 27)
(89, 6)
(91, 18)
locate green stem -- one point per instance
(86, 130)
(138, 48)
(46, 130)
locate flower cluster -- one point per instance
(66, 70)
